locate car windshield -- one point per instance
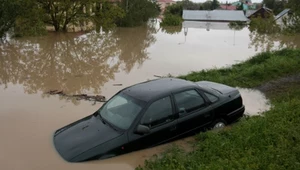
(120, 111)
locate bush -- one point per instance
(171, 20)
(137, 12)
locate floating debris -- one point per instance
(117, 84)
(167, 76)
(97, 98)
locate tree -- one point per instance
(171, 20)
(8, 14)
(108, 15)
(22, 16)
(237, 25)
(215, 4)
(175, 9)
(138, 12)
(240, 7)
(30, 22)
(189, 5)
(292, 23)
(62, 13)
(276, 5)
(30, 17)
(264, 25)
(207, 5)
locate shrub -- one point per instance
(171, 20)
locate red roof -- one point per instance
(228, 7)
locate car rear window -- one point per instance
(211, 97)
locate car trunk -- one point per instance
(221, 88)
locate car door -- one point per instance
(193, 111)
(159, 117)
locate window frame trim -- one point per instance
(218, 98)
(206, 104)
(155, 100)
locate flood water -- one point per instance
(101, 63)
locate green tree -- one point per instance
(62, 13)
(237, 25)
(240, 7)
(264, 25)
(175, 9)
(30, 22)
(207, 5)
(189, 5)
(108, 15)
(22, 16)
(276, 5)
(215, 4)
(137, 12)
(171, 20)
(292, 23)
(30, 17)
(8, 14)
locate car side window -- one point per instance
(158, 112)
(189, 101)
(211, 97)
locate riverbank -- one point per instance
(271, 141)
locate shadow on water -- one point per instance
(73, 62)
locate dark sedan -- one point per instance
(148, 114)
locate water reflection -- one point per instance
(267, 42)
(73, 62)
(171, 29)
(255, 101)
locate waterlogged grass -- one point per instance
(253, 72)
(271, 141)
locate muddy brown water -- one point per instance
(97, 64)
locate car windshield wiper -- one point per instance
(103, 121)
(106, 122)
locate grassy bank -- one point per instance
(271, 141)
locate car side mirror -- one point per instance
(142, 129)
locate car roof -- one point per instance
(152, 89)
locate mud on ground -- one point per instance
(279, 85)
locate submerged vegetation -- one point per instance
(137, 12)
(271, 141)
(173, 15)
(30, 17)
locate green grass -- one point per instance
(253, 72)
(271, 141)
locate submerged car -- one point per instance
(148, 114)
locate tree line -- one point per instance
(30, 17)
